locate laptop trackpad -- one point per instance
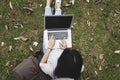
(58, 35)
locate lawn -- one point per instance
(95, 33)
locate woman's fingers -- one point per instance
(60, 45)
(63, 44)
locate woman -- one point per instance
(54, 60)
(61, 63)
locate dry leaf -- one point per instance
(41, 5)
(21, 38)
(101, 56)
(88, 23)
(35, 43)
(102, 61)
(88, 78)
(72, 2)
(115, 15)
(97, 1)
(74, 23)
(116, 66)
(10, 5)
(117, 51)
(7, 63)
(91, 39)
(96, 72)
(27, 8)
(100, 68)
(101, 9)
(2, 44)
(88, 13)
(6, 27)
(10, 48)
(0, 16)
(88, 1)
(30, 47)
(17, 38)
(67, 5)
(11, 65)
(18, 25)
(116, 11)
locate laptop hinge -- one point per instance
(56, 29)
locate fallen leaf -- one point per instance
(115, 15)
(2, 44)
(102, 61)
(10, 48)
(88, 23)
(18, 25)
(96, 72)
(97, 1)
(88, 13)
(101, 9)
(67, 5)
(101, 56)
(116, 11)
(21, 38)
(117, 51)
(10, 5)
(74, 23)
(6, 27)
(0, 16)
(35, 43)
(41, 5)
(7, 63)
(72, 26)
(91, 39)
(72, 2)
(88, 78)
(88, 1)
(30, 47)
(116, 66)
(27, 8)
(21, 25)
(100, 68)
(11, 65)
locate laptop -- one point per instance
(60, 27)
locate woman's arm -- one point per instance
(50, 46)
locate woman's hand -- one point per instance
(63, 44)
(51, 42)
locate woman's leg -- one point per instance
(48, 10)
(58, 10)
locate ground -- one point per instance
(95, 33)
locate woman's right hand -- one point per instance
(51, 42)
(63, 44)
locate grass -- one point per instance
(102, 36)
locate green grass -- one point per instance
(101, 37)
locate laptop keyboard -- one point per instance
(58, 35)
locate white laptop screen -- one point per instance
(58, 22)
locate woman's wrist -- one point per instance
(49, 48)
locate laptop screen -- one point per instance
(58, 22)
